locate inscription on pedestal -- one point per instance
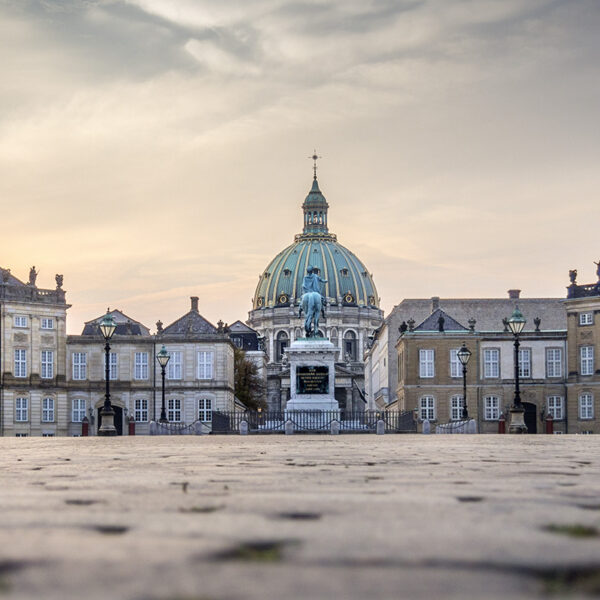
(312, 380)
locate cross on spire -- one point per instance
(314, 158)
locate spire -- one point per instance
(315, 206)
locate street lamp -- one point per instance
(107, 328)
(516, 323)
(163, 358)
(464, 354)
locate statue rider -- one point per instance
(312, 283)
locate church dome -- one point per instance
(349, 283)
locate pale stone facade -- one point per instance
(583, 384)
(33, 357)
(51, 381)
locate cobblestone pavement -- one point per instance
(351, 516)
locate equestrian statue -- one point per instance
(312, 303)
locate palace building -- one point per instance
(352, 312)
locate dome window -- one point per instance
(260, 302)
(372, 300)
(286, 272)
(348, 298)
(350, 345)
(316, 270)
(344, 272)
(365, 274)
(283, 299)
(280, 345)
(267, 274)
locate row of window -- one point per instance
(78, 410)
(23, 321)
(491, 404)
(174, 368)
(491, 362)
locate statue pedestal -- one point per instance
(312, 377)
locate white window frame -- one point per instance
(141, 410)
(457, 403)
(455, 364)
(205, 410)
(426, 363)
(586, 357)
(141, 366)
(586, 406)
(525, 363)
(491, 363)
(205, 364)
(174, 410)
(79, 362)
(47, 410)
(47, 364)
(555, 406)
(20, 366)
(175, 365)
(21, 410)
(427, 408)
(77, 410)
(553, 363)
(491, 408)
(21, 321)
(586, 318)
(47, 323)
(113, 369)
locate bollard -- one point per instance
(243, 427)
(380, 427)
(502, 424)
(289, 427)
(131, 426)
(198, 428)
(471, 426)
(85, 427)
(335, 427)
(549, 424)
(426, 427)
(153, 428)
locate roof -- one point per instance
(487, 312)
(191, 323)
(348, 280)
(239, 327)
(432, 322)
(125, 325)
(10, 278)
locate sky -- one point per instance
(152, 150)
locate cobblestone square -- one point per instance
(351, 516)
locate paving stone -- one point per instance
(345, 516)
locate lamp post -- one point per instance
(516, 323)
(464, 354)
(107, 328)
(163, 358)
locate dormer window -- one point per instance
(365, 274)
(286, 272)
(267, 275)
(344, 272)
(316, 270)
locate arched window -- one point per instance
(281, 344)
(350, 345)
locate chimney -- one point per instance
(514, 294)
(435, 303)
(194, 300)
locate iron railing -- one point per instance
(315, 421)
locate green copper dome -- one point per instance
(348, 281)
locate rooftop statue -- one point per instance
(312, 303)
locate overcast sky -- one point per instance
(151, 150)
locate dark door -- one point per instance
(118, 419)
(530, 417)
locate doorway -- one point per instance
(118, 418)
(530, 417)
